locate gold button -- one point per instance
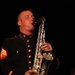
(27, 40)
(29, 62)
(17, 51)
(28, 45)
(23, 35)
(29, 50)
(30, 36)
(29, 67)
(29, 56)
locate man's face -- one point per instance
(25, 20)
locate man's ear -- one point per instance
(19, 23)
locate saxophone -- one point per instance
(42, 60)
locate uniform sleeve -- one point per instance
(6, 58)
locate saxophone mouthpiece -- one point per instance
(40, 19)
(34, 23)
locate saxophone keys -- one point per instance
(48, 56)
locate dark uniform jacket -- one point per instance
(20, 52)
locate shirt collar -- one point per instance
(23, 36)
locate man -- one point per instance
(17, 53)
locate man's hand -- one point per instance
(46, 46)
(29, 72)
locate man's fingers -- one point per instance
(29, 72)
(32, 71)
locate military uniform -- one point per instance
(17, 54)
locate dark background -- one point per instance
(59, 26)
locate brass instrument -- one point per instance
(42, 60)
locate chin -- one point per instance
(31, 30)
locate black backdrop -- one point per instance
(59, 26)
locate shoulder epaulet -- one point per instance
(12, 37)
